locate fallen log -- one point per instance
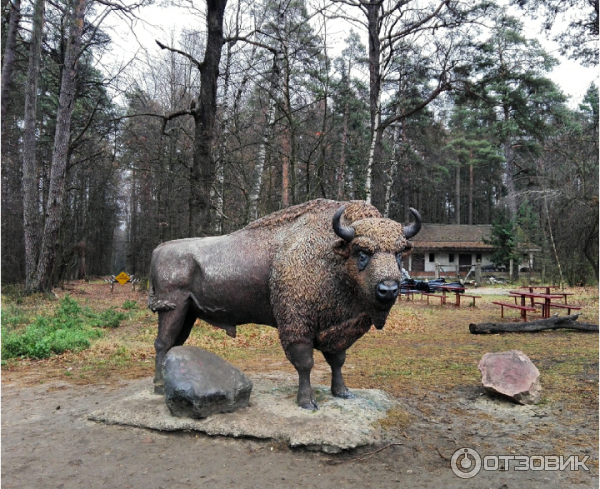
(564, 322)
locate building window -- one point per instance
(451, 257)
(478, 257)
(431, 257)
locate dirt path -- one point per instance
(48, 442)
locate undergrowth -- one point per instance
(70, 328)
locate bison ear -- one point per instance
(341, 248)
(407, 249)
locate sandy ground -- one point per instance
(47, 441)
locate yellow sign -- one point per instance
(122, 278)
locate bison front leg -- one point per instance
(333, 343)
(301, 356)
(338, 387)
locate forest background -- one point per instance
(445, 106)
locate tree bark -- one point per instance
(374, 180)
(43, 275)
(564, 322)
(203, 169)
(342, 165)
(256, 183)
(396, 155)
(372, 157)
(30, 187)
(457, 211)
(509, 156)
(471, 192)
(8, 62)
(219, 191)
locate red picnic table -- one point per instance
(547, 290)
(532, 295)
(458, 291)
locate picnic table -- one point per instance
(458, 291)
(547, 290)
(546, 304)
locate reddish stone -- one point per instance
(512, 374)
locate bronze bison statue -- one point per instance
(321, 273)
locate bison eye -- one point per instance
(399, 260)
(363, 260)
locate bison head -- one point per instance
(373, 249)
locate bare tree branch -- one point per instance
(194, 61)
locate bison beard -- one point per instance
(321, 272)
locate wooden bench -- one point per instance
(467, 295)
(523, 309)
(408, 293)
(441, 297)
(568, 307)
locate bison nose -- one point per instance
(387, 291)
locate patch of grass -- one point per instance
(12, 317)
(396, 418)
(249, 338)
(128, 305)
(109, 318)
(69, 328)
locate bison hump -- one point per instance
(355, 210)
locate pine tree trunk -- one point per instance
(8, 62)
(471, 192)
(54, 208)
(509, 156)
(457, 195)
(30, 187)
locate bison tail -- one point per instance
(156, 305)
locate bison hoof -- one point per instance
(344, 394)
(311, 406)
(159, 389)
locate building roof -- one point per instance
(453, 237)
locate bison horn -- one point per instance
(344, 232)
(412, 229)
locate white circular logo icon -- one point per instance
(465, 463)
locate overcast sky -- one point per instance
(159, 22)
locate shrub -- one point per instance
(128, 305)
(109, 319)
(70, 328)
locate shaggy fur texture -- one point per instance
(315, 281)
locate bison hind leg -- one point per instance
(174, 327)
(188, 324)
(338, 387)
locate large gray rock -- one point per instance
(199, 383)
(512, 374)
